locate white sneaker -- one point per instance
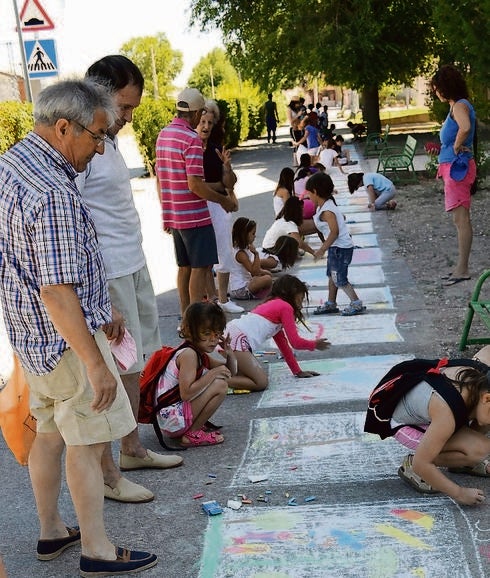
(230, 307)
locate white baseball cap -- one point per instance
(189, 100)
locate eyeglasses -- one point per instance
(100, 139)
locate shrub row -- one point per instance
(243, 120)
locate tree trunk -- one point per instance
(370, 105)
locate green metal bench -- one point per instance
(482, 309)
(399, 165)
(376, 142)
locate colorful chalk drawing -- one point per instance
(358, 228)
(372, 297)
(369, 256)
(367, 328)
(329, 448)
(315, 275)
(365, 540)
(365, 240)
(340, 379)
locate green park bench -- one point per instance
(398, 166)
(482, 309)
(376, 142)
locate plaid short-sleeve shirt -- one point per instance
(46, 238)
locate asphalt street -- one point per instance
(331, 503)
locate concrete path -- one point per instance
(330, 503)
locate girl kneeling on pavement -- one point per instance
(276, 317)
(380, 190)
(202, 380)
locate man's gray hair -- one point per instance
(76, 100)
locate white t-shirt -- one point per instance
(278, 228)
(327, 156)
(239, 276)
(106, 189)
(344, 240)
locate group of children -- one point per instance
(217, 355)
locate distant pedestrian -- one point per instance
(271, 118)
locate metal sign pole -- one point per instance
(27, 82)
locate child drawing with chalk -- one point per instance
(276, 317)
(202, 380)
(330, 221)
(443, 423)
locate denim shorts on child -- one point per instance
(338, 264)
(61, 400)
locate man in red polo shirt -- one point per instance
(183, 193)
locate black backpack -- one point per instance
(402, 378)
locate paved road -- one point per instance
(335, 506)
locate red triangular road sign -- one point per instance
(33, 17)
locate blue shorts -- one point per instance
(338, 265)
(195, 247)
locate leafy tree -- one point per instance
(157, 61)
(461, 28)
(360, 43)
(213, 71)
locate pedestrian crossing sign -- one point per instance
(41, 58)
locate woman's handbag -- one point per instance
(17, 424)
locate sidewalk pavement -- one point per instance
(331, 503)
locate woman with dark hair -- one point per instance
(457, 165)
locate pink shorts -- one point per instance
(410, 437)
(457, 193)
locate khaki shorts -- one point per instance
(60, 401)
(133, 296)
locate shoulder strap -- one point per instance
(451, 396)
(173, 395)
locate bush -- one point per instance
(16, 121)
(148, 120)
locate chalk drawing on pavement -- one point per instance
(368, 256)
(366, 540)
(326, 448)
(365, 240)
(372, 297)
(358, 228)
(361, 256)
(316, 276)
(340, 379)
(339, 330)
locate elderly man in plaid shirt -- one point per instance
(56, 304)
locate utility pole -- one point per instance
(212, 80)
(27, 82)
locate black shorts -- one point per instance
(195, 247)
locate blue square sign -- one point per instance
(41, 58)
